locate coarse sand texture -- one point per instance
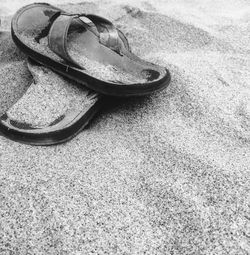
(163, 174)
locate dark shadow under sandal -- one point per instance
(53, 110)
(85, 48)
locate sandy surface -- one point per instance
(165, 174)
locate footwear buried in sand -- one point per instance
(53, 110)
(87, 49)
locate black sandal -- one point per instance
(87, 49)
(46, 129)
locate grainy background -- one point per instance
(166, 174)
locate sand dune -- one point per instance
(165, 174)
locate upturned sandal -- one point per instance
(85, 48)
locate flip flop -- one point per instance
(53, 110)
(85, 48)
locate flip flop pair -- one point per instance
(83, 48)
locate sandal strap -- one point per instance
(57, 38)
(108, 33)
